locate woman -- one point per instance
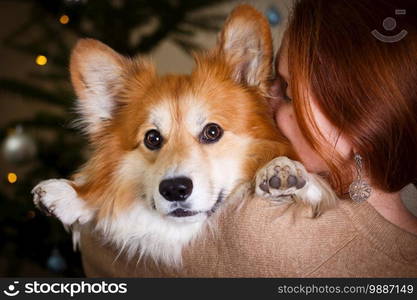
(342, 91)
(347, 100)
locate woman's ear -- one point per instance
(246, 44)
(97, 76)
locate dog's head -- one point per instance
(176, 145)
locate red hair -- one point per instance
(365, 87)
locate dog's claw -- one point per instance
(47, 211)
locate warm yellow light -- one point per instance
(12, 177)
(64, 19)
(41, 60)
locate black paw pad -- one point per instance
(275, 182)
(292, 181)
(301, 183)
(264, 186)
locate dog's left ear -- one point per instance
(246, 44)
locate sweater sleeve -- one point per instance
(259, 239)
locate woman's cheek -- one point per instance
(284, 117)
(288, 125)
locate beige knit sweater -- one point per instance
(265, 240)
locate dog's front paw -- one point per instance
(281, 179)
(56, 197)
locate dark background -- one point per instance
(37, 141)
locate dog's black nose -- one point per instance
(176, 189)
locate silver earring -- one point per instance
(359, 190)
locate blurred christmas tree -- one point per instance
(46, 146)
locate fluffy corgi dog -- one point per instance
(170, 152)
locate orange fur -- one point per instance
(240, 109)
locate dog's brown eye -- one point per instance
(211, 133)
(153, 139)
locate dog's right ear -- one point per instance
(246, 44)
(97, 76)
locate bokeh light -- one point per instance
(41, 60)
(64, 19)
(11, 177)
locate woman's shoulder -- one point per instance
(352, 239)
(256, 239)
(380, 248)
(262, 239)
(284, 240)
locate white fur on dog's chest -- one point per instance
(139, 231)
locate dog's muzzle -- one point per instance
(181, 212)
